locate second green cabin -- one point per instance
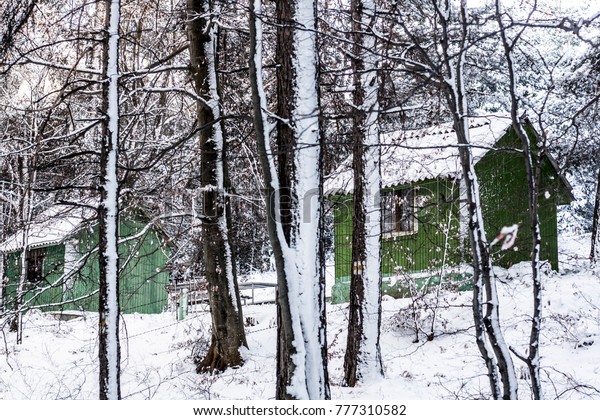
(424, 218)
(62, 264)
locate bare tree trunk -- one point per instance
(27, 173)
(481, 264)
(494, 350)
(4, 220)
(17, 324)
(363, 354)
(306, 294)
(2, 283)
(285, 147)
(595, 241)
(293, 225)
(285, 150)
(226, 311)
(533, 174)
(26, 176)
(272, 194)
(109, 349)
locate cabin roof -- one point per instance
(415, 155)
(50, 227)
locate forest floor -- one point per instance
(58, 359)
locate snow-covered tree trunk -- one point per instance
(295, 236)
(26, 211)
(27, 176)
(308, 188)
(273, 191)
(2, 283)
(224, 299)
(109, 350)
(493, 348)
(533, 174)
(5, 220)
(595, 241)
(18, 320)
(362, 361)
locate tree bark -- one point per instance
(109, 351)
(533, 174)
(293, 225)
(595, 241)
(363, 354)
(226, 312)
(285, 151)
(494, 350)
(285, 147)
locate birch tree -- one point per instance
(226, 310)
(109, 351)
(362, 360)
(293, 192)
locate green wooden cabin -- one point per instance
(62, 264)
(424, 219)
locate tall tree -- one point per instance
(595, 240)
(294, 197)
(495, 351)
(109, 349)
(438, 54)
(363, 354)
(302, 339)
(226, 309)
(27, 176)
(533, 174)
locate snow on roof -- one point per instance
(416, 155)
(51, 227)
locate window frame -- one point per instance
(35, 265)
(400, 204)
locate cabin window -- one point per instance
(398, 212)
(35, 265)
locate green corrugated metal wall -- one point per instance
(42, 294)
(437, 238)
(143, 278)
(503, 191)
(144, 289)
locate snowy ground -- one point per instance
(57, 359)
